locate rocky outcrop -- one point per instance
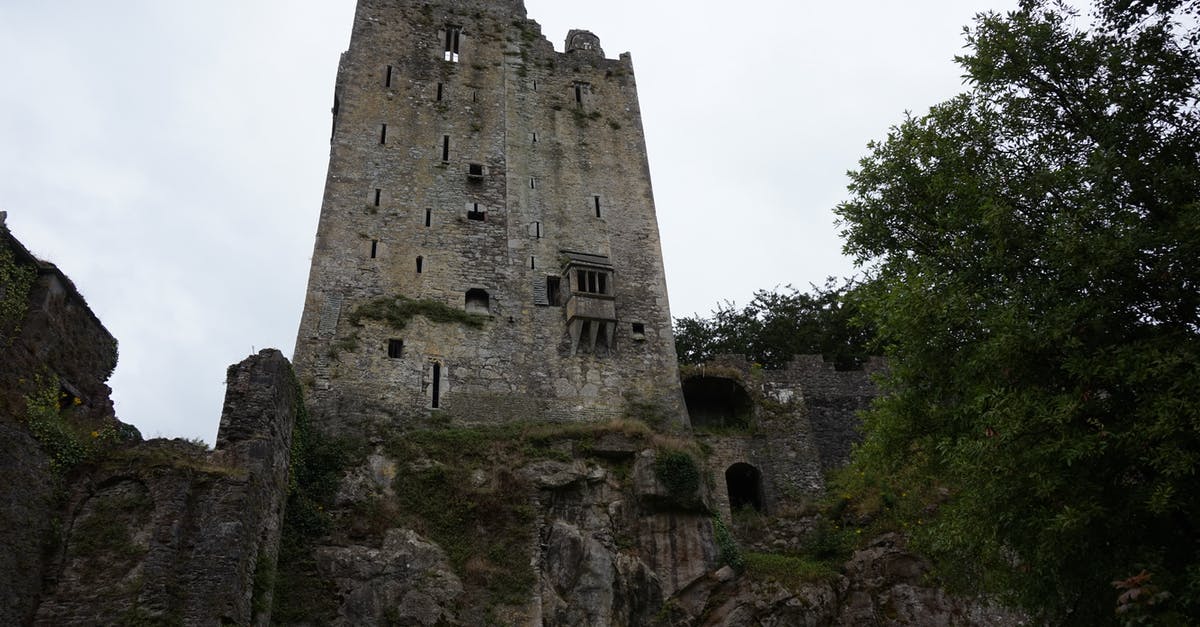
(407, 581)
(882, 584)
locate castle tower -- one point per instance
(487, 247)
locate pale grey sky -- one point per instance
(170, 156)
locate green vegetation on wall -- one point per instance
(15, 283)
(301, 595)
(47, 411)
(680, 475)
(397, 311)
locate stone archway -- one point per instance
(744, 483)
(717, 402)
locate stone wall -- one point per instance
(166, 531)
(50, 342)
(803, 423)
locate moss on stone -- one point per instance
(397, 311)
(15, 282)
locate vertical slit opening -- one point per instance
(437, 385)
(383, 133)
(445, 147)
(387, 82)
(374, 248)
(420, 264)
(377, 193)
(428, 217)
(596, 202)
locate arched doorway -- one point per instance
(717, 402)
(745, 487)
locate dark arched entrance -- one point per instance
(717, 402)
(745, 487)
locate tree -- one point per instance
(1033, 250)
(776, 325)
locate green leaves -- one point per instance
(1030, 249)
(777, 325)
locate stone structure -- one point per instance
(504, 188)
(50, 342)
(774, 433)
(179, 535)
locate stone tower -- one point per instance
(487, 248)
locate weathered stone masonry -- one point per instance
(176, 534)
(473, 166)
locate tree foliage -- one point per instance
(776, 325)
(1032, 247)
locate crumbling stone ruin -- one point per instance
(487, 424)
(98, 527)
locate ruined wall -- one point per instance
(803, 423)
(833, 398)
(165, 531)
(489, 168)
(53, 348)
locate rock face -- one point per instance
(176, 533)
(880, 585)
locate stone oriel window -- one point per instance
(591, 281)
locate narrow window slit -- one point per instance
(437, 385)
(377, 193)
(452, 37)
(374, 248)
(428, 217)
(383, 133)
(596, 202)
(439, 92)
(387, 82)
(420, 264)
(445, 147)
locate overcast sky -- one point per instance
(170, 156)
